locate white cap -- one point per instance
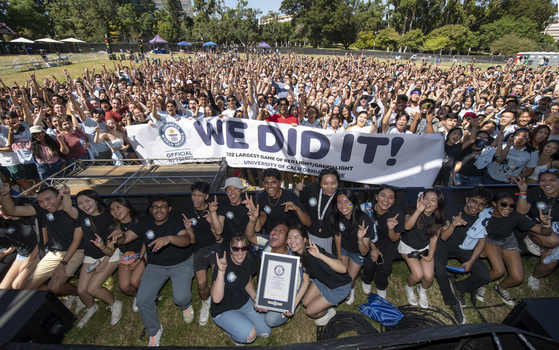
(235, 182)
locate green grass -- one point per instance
(299, 329)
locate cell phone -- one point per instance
(456, 269)
(380, 260)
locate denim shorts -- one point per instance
(509, 243)
(333, 296)
(357, 258)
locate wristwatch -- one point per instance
(63, 263)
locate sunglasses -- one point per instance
(505, 205)
(427, 105)
(239, 249)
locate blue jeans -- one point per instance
(47, 170)
(153, 279)
(275, 319)
(488, 180)
(238, 324)
(469, 181)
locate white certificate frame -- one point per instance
(277, 282)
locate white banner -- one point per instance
(398, 160)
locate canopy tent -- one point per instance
(264, 45)
(50, 41)
(73, 41)
(184, 43)
(23, 41)
(158, 40)
(210, 43)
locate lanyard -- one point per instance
(321, 215)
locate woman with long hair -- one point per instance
(539, 136)
(131, 264)
(424, 222)
(331, 282)
(502, 248)
(354, 234)
(548, 159)
(100, 255)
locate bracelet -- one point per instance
(221, 269)
(521, 192)
(546, 226)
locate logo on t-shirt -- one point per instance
(230, 215)
(172, 134)
(312, 202)
(150, 234)
(10, 230)
(50, 217)
(231, 277)
(86, 222)
(267, 209)
(194, 221)
(342, 227)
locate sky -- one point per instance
(264, 6)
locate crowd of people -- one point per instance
(498, 125)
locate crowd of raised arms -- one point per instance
(500, 125)
(335, 234)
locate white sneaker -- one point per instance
(423, 301)
(116, 312)
(366, 288)
(69, 301)
(135, 305)
(381, 293)
(480, 294)
(532, 247)
(79, 305)
(205, 311)
(188, 314)
(323, 321)
(88, 313)
(534, 283)
(351, 298)
(154, 341)
(412, 299)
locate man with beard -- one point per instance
(277, 204)
(459, 240)
(169, 243)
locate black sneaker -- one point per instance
(458, 313)
(504, 295)
(459, 295)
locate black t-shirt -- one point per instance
(276, 211)
(381, 226)
(236, 279)
(236, 220)
(450, 153)
(318, 269)
(500, 228)
(460, 232)
(169, 255)
(310, 197)
(417, 236)
(21, 236)
(60, 228)
(99, 225)
(535, 196)
(201, 227)
(133, 246)
(349, 239)
(468, 157)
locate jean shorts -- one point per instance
(333, 296)
(357, 258)
(509, 243)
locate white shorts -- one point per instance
(114, 257)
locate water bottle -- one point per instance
(82, 142)
(458, 181)
(92, 267)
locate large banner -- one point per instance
(398, 160)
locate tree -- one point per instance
(275, 31)
(522, 27)
(166, 28)
(538, 11)
(511, 44)
(243, 23)
(461, 38)
(436, 43)
(412, 39)
(343, 27)
(387, 38)
(372, 18)
(313, 15)
(27, 18)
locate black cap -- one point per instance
(98, 111)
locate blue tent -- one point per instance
(183, 43)
(209, 43)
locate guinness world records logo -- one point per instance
(172, 134)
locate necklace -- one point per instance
(279, 197)
(126, 226)
(198, 215)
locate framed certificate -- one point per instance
(277, 282)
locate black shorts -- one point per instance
(205, 257)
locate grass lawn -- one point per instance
(300, 329)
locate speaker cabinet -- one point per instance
(536, 315)
(33, 316)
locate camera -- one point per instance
(417, 254)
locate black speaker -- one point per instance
(536, 315)
(33, 316)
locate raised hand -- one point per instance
(221, 262)
(420, 205)
(187, 222)
(458, 221)
(362, 231)
(391, 223)
(312, 249)
(521, 182)
(212, 206)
